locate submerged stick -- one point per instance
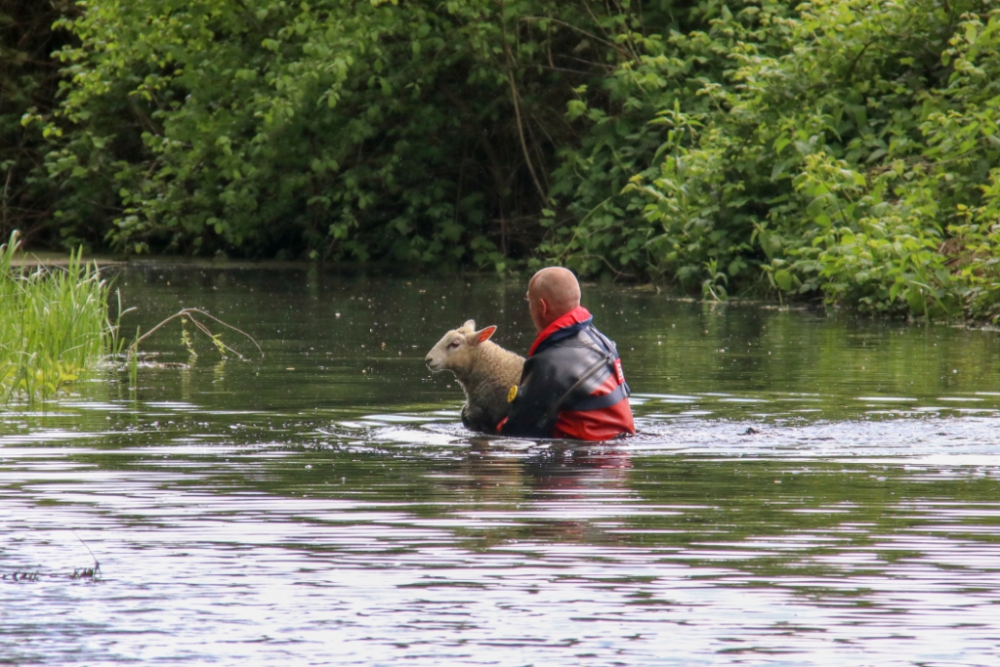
(90, 572)
(97, 564)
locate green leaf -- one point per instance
(783, 279)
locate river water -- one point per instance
(805, 489)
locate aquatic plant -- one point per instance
(193, 315)
(54, 324)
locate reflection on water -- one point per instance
(804, 490)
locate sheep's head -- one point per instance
(457, 349)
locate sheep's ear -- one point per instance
(470, 325)
(484, 335)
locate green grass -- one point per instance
(53, 325)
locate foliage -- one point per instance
(55, 325)
(842, 148)
(652, 106)
(417, 132)
(849, 152)
(29, 79)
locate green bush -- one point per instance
(849, 154)
(417, 132)
(29, 79)
(843, 149)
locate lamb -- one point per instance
(485, 370)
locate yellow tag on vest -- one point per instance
(512, 394)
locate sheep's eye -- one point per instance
(455, 343)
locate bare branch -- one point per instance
(187, 312)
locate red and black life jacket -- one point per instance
(572, 385)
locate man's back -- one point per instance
(572, 385)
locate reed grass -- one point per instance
(54, 325)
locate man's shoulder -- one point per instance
(581, 344)
(597, 331)
(592, 337)
(561, 342)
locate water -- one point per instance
(804, 490)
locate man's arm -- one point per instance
(529, 411)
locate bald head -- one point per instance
(552, 293)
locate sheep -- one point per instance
(485, 370)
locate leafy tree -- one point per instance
(842, 148)
(28, 82)
(422, 132)
(850, 152)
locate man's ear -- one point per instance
(484, 335)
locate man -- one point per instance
(572, 385)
